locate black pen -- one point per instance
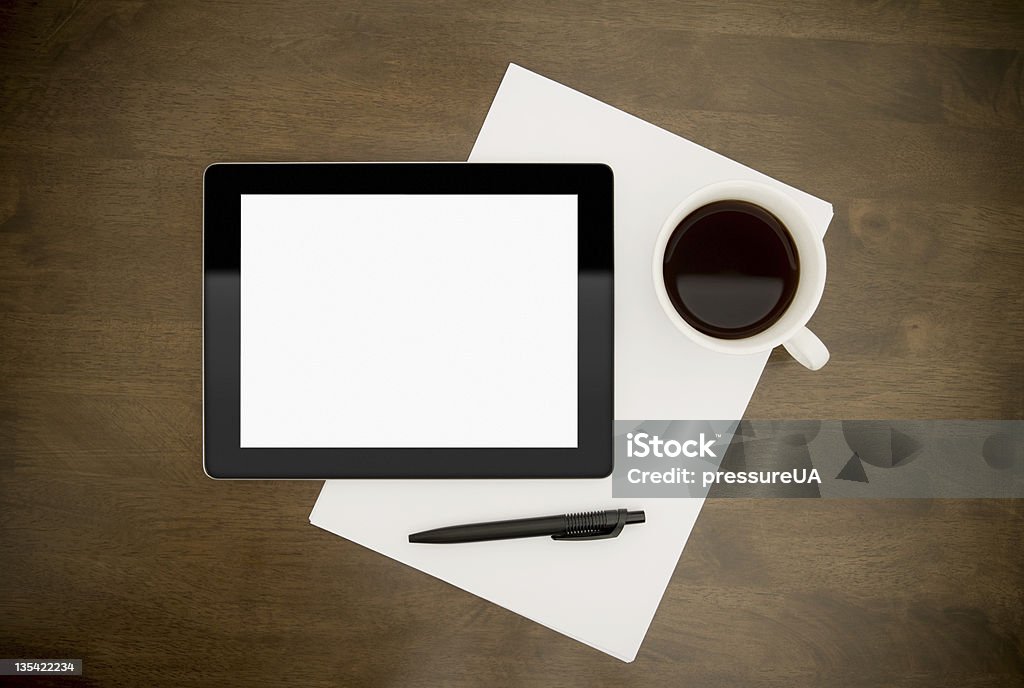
(591, 525)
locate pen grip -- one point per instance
(590, 522)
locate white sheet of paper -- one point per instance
(658, 375)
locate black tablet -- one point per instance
(420, 320)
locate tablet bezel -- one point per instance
(223, 186)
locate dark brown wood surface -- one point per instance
(114, 547)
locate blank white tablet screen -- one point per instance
(408, 321)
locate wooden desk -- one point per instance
(115, 547)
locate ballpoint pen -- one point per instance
(590, 525)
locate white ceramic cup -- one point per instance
(790, 329)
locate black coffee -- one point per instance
(731, 269)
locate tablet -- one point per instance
(427, 320)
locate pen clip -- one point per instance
(612, 532)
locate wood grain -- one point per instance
(907, 116)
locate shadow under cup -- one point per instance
(731, 269)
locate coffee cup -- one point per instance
(739, 269)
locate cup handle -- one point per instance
(807, 349)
